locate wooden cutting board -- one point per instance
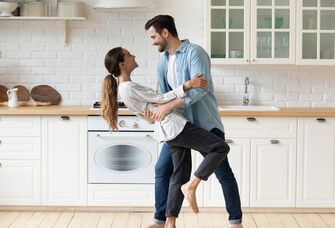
(22, 93)
(45, 93)
(3, 93)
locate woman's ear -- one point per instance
(121, 64)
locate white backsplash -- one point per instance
(33, 53)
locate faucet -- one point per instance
(246, 95)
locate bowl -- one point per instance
(6, 8)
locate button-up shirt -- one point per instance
(200, 104)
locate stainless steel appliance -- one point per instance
(127, 156)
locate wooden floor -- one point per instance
(138, 220)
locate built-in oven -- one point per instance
(126, 156)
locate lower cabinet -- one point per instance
(121, 195)
(263, 159)
(316, 162)
(64, 163)
(273, 173)
(20, 182)
(20, 160)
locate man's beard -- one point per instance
(162, 47)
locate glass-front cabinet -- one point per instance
(226, 24)
(316, 32)
(273, 31)
(251, 31)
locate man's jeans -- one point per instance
(164, 170)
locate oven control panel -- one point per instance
(125, 123)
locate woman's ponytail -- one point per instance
(109, 101)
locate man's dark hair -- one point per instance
(161, 22)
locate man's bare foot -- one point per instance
(156, 225)
(189, 194)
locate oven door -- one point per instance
(121, 157)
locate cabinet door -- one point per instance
(227, 31)
(64, 160)
(20, 126)
(239, 160)
(20, 182)
(273, 173)
(316, 32)
(316, 162)
(273, 31)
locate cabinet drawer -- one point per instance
(283, 127)
(20, 148)
(20, 182)
(20, 125)
(121, 194)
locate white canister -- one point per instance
(34, 9)
(71, 9)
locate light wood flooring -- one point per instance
(138, 220)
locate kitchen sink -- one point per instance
(248, 108)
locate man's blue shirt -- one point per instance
(200, 104)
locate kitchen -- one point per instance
(69, 57)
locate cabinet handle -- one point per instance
(0, 141)
(254, 60)
(247, 60)
(0, 164)
(321, 120)
(251, 118)
(65, 118)
(229, 141)
(274, 141)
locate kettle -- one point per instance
(12, 98)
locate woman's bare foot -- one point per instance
(189, 193)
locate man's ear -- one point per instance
(165, 32)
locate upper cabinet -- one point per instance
(271, 31)
(316, 32)
(257, 31)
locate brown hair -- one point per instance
(109, 89)
(161, 22)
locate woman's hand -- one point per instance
(196, 82)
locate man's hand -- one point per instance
(162, 111)
(196, 82)
(148, 116)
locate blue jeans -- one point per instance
(164, 170)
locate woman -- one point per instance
(175, 130)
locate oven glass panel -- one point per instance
(122, 158)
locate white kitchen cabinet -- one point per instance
(64, 160)
(20, 182)
(316, 162)
(121, 195)
(256, 32)
(20, 165)
(316, 32)
(259, 146)
(273, 173)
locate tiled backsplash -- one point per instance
(33, 53)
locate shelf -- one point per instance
(44, 18)
(64, 19)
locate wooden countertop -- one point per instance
(86, 110)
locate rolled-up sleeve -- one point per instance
(199, 65)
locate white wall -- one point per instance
(33, 53)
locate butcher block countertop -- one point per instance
(86, 110)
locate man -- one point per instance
(180, 62)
